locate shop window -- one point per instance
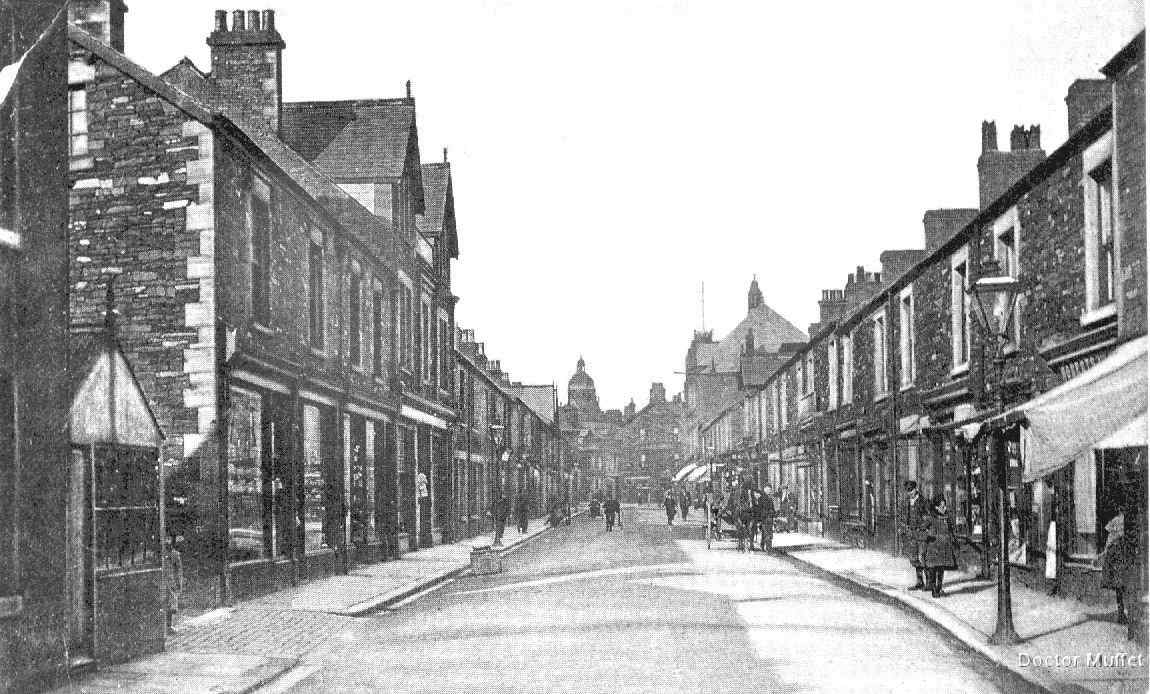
(246, 531)
(126, 513)
(362, 465)
(314, 482)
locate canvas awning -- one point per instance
(683, 472)
(699, 474)
(1098, 405)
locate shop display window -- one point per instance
(246, 531)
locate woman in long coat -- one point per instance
(939, 552)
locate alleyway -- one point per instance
(647, 608)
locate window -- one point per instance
(1006, 245)
(78, 122)
(1098, 196)
(426, 327)
(783, 401)
(377, 332)
(126, 510)
(315, 293)
(315, 520)
(260, 230)
(906, 337)
(878, 330)
(809, 372)
(959, 310)
(848, 369)
(832, 375)
(247, 532)
(443, 361)
(355, 334)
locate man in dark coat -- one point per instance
(767, 518)
(500, 512)
(914, 510)
(940, 552)
(669, 505)
(684, 503)
(522, 511)
(611, 509)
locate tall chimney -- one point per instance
(103, 19)
(997, 171)
(247, 66)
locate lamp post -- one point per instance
(996, 294)
(496, 483)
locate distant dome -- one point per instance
(581, 380)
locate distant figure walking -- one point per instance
(787, 507)
(522, 511)
(500, 512)
(767, 519)
(684, 503)
(612, 510)
(669, 505)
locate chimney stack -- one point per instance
(408, 88)
(1084, 100)
(939, 225)
(247, 66)
(998, 171)
(103, 19)
(658, 393)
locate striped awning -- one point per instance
(683, 472)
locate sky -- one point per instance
(612, 157)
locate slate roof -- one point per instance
(541, 400)
(771, 331)
(439, 206)
(363, 139)
(371, 230)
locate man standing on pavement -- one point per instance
(500, 512)
(684, 503)
(914, 511)
(767, 518)
(522, 511)
(669, 505)
(610, 510)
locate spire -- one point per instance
(754, 296)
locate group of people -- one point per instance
(502, 509)
(928, 539)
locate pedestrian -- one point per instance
(566, 508)
(1121, 571)
(684, 503)
(669, 505)
(767, 519)
(175, 580)
(611, 509)
(522, 511)
(1052, 558)
(914, 510)
(746, 515)
(500, 512)
(939, 553)
(787, 508)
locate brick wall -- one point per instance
(1130, 136)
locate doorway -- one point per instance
(79, 560)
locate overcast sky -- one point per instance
(609, 156)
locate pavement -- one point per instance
(1067, 645)
(243, 648)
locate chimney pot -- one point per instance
(1034, 137)
(989, 136)
(269, 20)
(253, 20)
(221, 20)
(1017, 138)
(444, 155)
(238, 20)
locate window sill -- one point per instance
(262, 328)
(960, 370)
(81, 163)
(11, 605)
(1097, 315)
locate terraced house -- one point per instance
(903, 383)
(283, 284)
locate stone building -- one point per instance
(285, 299)
(647, 446)
(905, 386)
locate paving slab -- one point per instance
(183, 673)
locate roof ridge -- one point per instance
(351, 102)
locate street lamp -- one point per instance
(497, 431)
(996, 295)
